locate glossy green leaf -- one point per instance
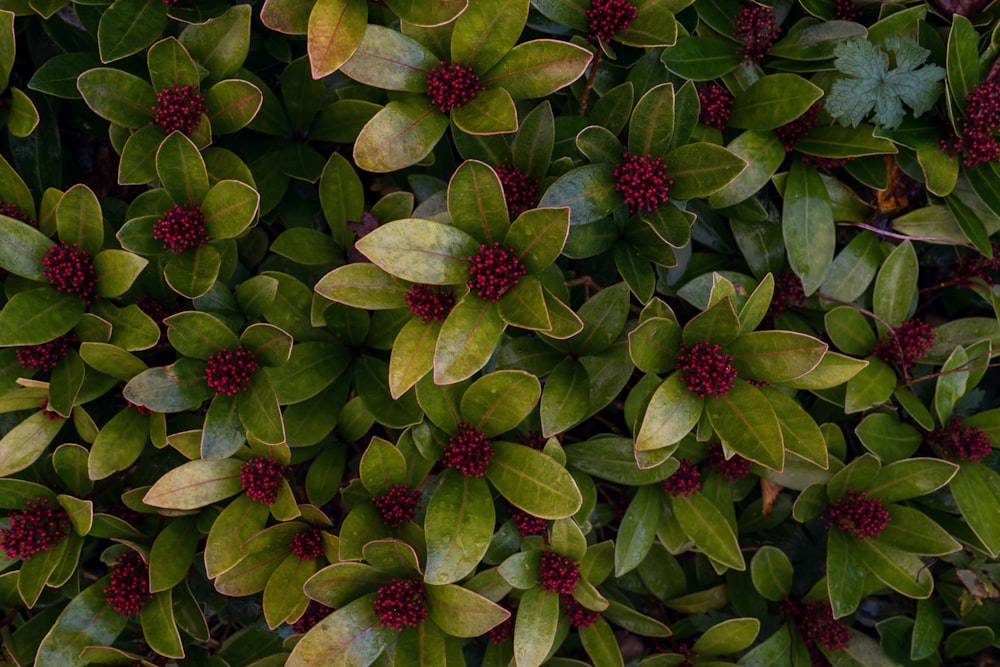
(772, 101)
(86, 621)
(402, 134)
(129, 26)
(775, 356)
(537, 68)
(467, 340)
(351, 636)
(193, 272)
(845, 573)
(746, 423)
(422, 251)
(708, 529)
(533, 481)
(22, 445)
(637, 530)
(181, 169)
(564, 398)
(701, 169)
(977, 494)
(897, 569)
(535, 627)
(672, 412)
(476, 202)
(199, 335)
(196, 484)
(221, 44)
(119, 97)
(771, 571)
(807, 226)
(499, 401)
(461, 612)
(896, 285)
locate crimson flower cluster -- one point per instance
(907, 343)
(847, 11)
(70, 269)
(450, 85)
(817, 627)
(45, 356)
(261, 479)
(315, 612)
(493, 271)
(961, 443)
(795, 131)
(308, 544)
(468, 451)
(857, 514)
(397, 505)
(528, 524)
(403, 603)
(520, 191)
(642, 182)
(716, 105)
(502, 632)
(128, 591)
(179, 109)
(558, 574)
(578, 615)
(685, 480)
(756, 28)
(12, 211)
(706, 370)
(180, 228)
(733, 469)
(976, 265)
(606, 18)
(49, 414)
(228, 372)
(788, 293)
(429, 302)
(978, 126)
(34, 529)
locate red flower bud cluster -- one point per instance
(403, 603)
(685, 480)
(706, 370)
(228, 372)
(69, 269)
(528, 524)
(128, 591)
(907, 343)
(961, 443)
(180, 228)
(261, 479)
(795, 131)
(397, 505)
(308, 544)
(520, 191)
(978, 127)
(45, 356)
(34, 529)
(578, 615)
(857, 514)
(642, 182)
(733, 469)
(315, 612)
(558, 574)
(493, 271)
(451, 85)
(468, 451)
(817, 627)
(716, 105)
(756, 28)
(179, 109)
(606, 18)
(429, 302)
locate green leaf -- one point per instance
(382, 466)
(37, 316)
(772, 101)
(701, 58)
(467, 340)
(260, 412)
(672, 412)
(222, 434)
(390, 60)
(896, 285)
(652, 124)
(221, 44)
(171, 65)
(708, 529)
(476, 202)
(600, 643)
(172, 554)
(199, 335)
(23, 117)
(88, 620)
(811, 39)
(771, 572)
(654, 26)
(850, 331)
(236, 524)
(775, 356)
(977, 493)
(613, 458)
(422, 251)
(533, 481)
(363, 285)
(193, 272)
(116, 271)
(844, 142)
(654, 344)
(23, 249)
(846, 573)
(701, 169)
(564, 398)
(913, 532)
(764, 153)
(729, 636)
(232, 104)
(499, 401)
(604, 316)
(807, 226)
(524, 306)
(538, 68)
(531, 150)
(463, 613)
(181, 169)
(459, 524)
(349, 637)
(402, 134)
(196, 484)
(491, 111)
(424, 13)
(66, 383)
(119, 443)
(129, 26)
(79, 219)
(746, 423)
(174, 388)
(121, 98)
(588, 191)
(897, 569)
(412, 355)
(535, 627)
(637, 530)
(951, 384)
(230, 207)
(22, 445)
(284, 598)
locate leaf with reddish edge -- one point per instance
(412, 354)
(88, 620)
(463, 613)
(390, 60)
(459, 523)
(289, 17)
(468, 338)
(536, 626)
(775, 356)
(486, 31)
(23, 444)
(533, 481)
(116, 96)
(422, 251)
(672, 412)
(746, 423)
(538, 68)
(428, 13)
(538, 236)
(524, 306)
(708, 528)
(335, 30)
(382, 466)
(402, 134)
(196, 484)
(476, 202)
(498, 402)
(349, 637)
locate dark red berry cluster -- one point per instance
(907, 343)
(180, 228)
(468, 451)
(706, 370)
(535, 440)
(451, 85)
(976, 265)
(157, 310)
(978, 127)
(493, 271)
(69, 269)
(36, 528)
(45, 356)
(397, 505)
(403, 603)
(857, 514)
(578, 615)
(315, 612)
(49, 414)
(685, 480)
(128, 591)
(12, 211)
(961, 443)
(734, 468)
(606, 18)
(528, 524)
(847, 11)
(558, 574)
(261, 479)
(817, 627)
(228, 372)
(788, 293)
(429, 302)
(827, 163)
(179, 109)
(756, 28)
(716, 105)
(520, 191)
(141, 409)
(502, 632)
(642, 182)
(795, 131)
(308, 544)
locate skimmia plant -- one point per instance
(646, 333)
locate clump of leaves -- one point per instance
(876, 88)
